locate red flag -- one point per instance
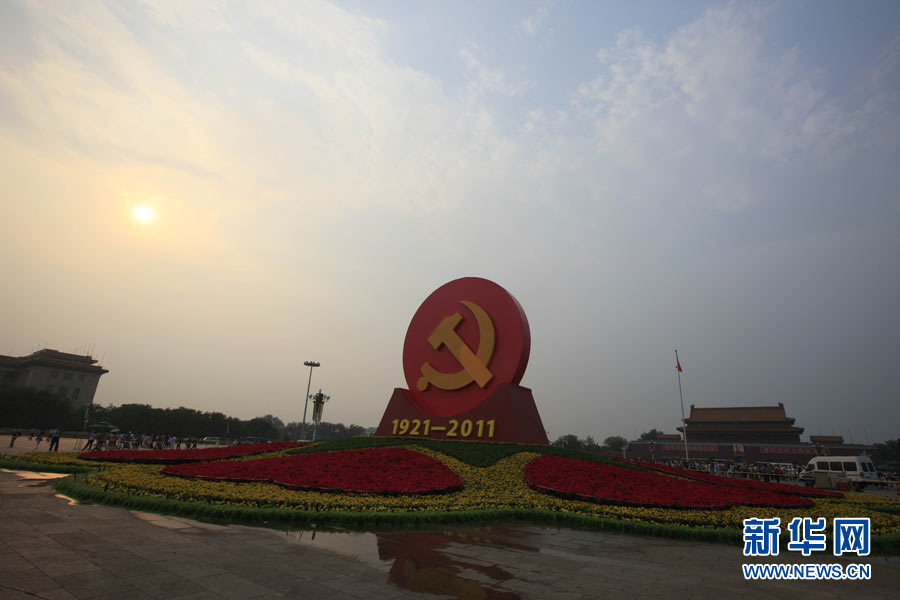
(678, 365)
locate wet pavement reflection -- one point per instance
(34, 476)
(435, 562)
(34, 479)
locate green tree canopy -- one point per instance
(29, 408)
(888, 451)
(651, 435)
(615, 442)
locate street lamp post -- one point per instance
(310, 364)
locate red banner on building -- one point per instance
(777, 450)
(691, 447)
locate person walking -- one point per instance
(54, 440)
(90, 441)
(12, 438)
(39, 438)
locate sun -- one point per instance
(142, 213)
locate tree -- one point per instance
(275, 421)
(590, 445)
(569, 441)
(260, 427)
(615, 442)
(888, 451)
(325, 431)
(653, 434)
(185, 422)
(28, 407)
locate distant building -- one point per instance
(835, 445)
(760, 424)
(745, 434)
(71, 376)
(827, 440)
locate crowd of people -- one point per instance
(52, 436)
(134, 441)
(107, 441)
(763, 471)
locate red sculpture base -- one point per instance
(507, 415)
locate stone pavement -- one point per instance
(53, 548)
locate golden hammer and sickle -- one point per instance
(474, 365)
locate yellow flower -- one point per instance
(499, 486)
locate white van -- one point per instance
(858, 470)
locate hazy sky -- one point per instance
(721, 178)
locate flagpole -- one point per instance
(681, 396)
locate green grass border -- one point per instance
(21, 465)
(476, 454)
(83, 491)
(78, 488)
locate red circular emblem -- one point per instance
(468, 336)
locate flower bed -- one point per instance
(495, 490)
(370, 470)
(169, 457)
(782, 488)
(607, 483)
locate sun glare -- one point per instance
(142, 213)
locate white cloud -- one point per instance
(196, 15)
(715, 99)
(484, 79)
(333, 34)
(533, 23)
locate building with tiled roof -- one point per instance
(74, 377)
(747, 434)
(745, 424)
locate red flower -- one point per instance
(601, 482)
(782, 488)
(370, 470)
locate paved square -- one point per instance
(52, 548)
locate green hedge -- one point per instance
(21, 465)
(477, 454)
(79, 489)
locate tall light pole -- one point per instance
(310, 364)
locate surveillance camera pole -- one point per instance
(319, 401)
(311, 364)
